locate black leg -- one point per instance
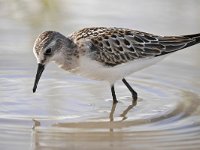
(134, 94)
(113, 94)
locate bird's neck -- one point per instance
(67, 61)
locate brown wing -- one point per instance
(113, 46)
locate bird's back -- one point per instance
(114, 46)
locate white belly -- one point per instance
(94, 70)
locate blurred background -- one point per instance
(22, 20)
(73, 112)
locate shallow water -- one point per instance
(71, 112)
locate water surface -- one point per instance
(71, 112)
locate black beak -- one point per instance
(40, 69)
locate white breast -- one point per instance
(94, 70)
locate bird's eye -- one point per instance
(48, 51)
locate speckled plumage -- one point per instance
(108, 54)
(113, 46)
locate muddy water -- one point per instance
(71, 112)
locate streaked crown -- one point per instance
(43, 40)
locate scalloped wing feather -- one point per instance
(113, 46)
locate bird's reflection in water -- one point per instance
(112, 112)
(123, 114)
(37, 133)
(35, 142)
(36, 124)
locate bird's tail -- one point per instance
(175, 43)
(195, 39)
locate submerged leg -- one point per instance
(134, 94)
(113, 94)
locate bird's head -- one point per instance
(48, 47)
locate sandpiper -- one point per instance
(107, 54)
